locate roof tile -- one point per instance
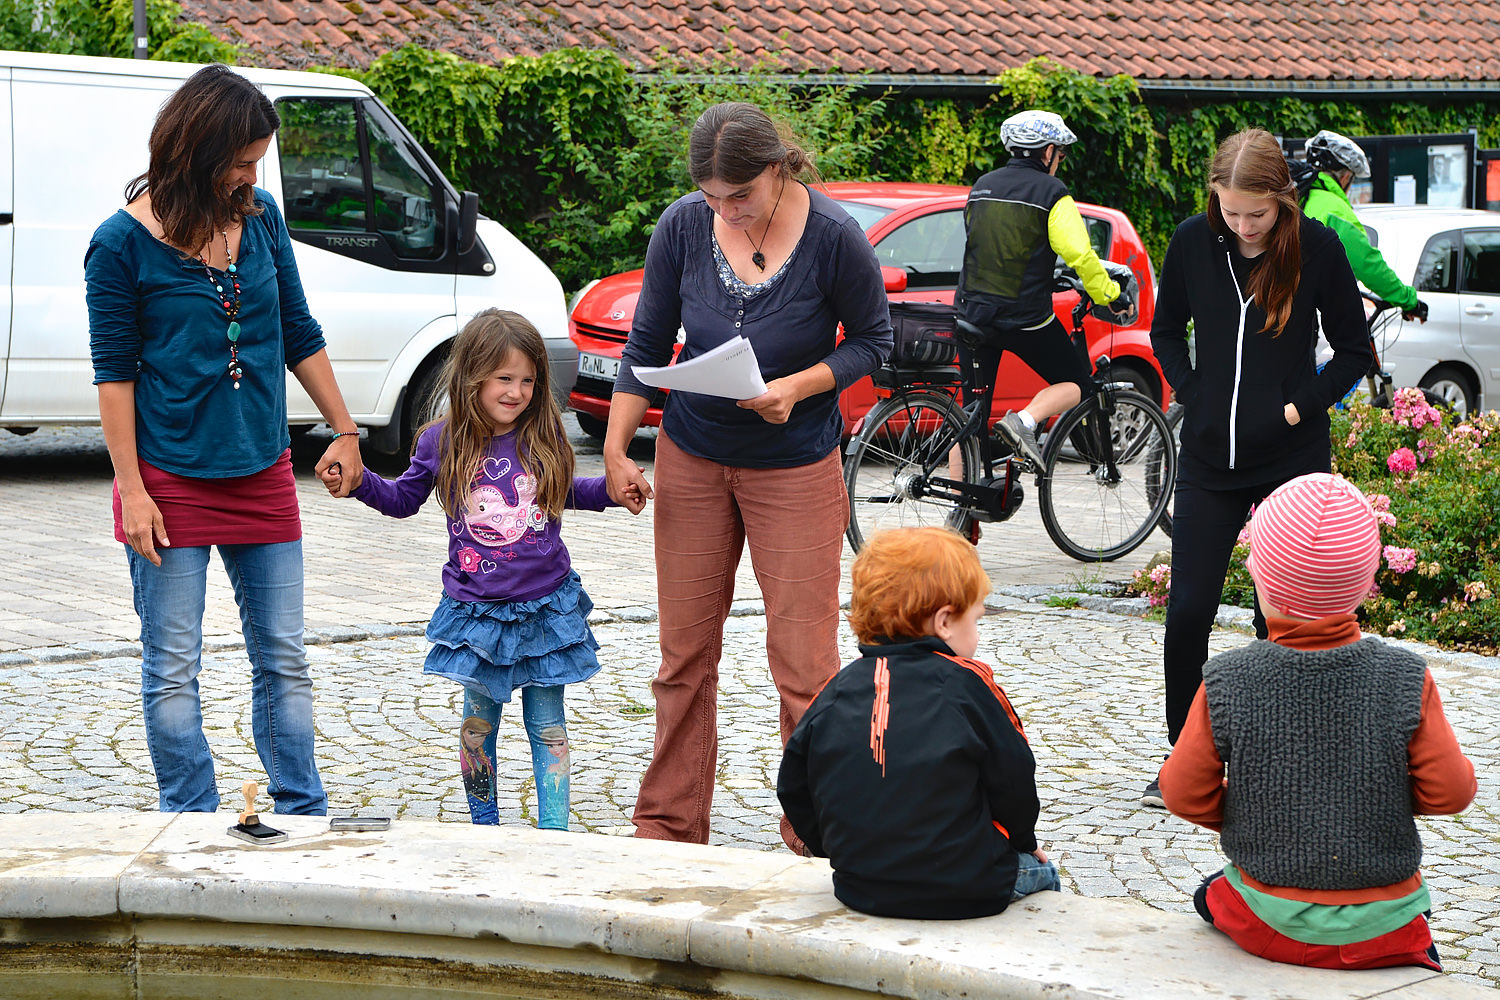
(1150, 39)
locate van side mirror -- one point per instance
(468, 221)
(894, 278)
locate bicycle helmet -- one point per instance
(1333, 152)
(1035, 129)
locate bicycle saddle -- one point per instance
(970, 333)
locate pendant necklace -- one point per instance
(231, 309)
(758, 258)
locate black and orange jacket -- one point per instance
(910, 772)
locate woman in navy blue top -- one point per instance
(195, 312)
(755, 253)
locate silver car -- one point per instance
(1451, 256)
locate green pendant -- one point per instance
(233, 333)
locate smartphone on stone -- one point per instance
(258, 834)
(346, 823)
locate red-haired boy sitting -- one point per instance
(910, 771)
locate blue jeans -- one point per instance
(1035, 876)
(542, 713)
(267, 582)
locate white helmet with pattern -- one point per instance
(1331, 151)
(1035, 129)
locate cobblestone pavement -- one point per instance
(63, 579)
(1087, 685)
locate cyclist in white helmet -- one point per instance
(1339, 161)
(1019, 219)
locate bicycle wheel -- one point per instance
(1156, 467)
(905, 442)
(1099, 495)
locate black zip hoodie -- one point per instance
(1234, 431)
(910, 772)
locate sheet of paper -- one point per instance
(1404, 190)
(729, 370)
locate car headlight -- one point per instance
(578, 295)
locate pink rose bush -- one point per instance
(1433, 480)
(1154, 584)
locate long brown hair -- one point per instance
(482, 346)
(199, 134)
(734, 142)
(1250, 163)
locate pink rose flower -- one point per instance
(1402, 461)
(1400, 560)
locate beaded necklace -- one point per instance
(231, 309)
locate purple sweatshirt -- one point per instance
(502, 547)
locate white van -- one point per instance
(394, 260)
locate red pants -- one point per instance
(1228, 911)
(704, 513)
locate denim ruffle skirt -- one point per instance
(495, 647)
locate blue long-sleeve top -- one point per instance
(502, 546)
(157, 320)
(832, 278)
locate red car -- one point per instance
(918, 229)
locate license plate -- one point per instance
(598, 366)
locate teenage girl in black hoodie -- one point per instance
(1249, 275)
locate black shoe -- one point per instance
(1152, 795)
(1020, 437)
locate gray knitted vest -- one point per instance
(1315, 743)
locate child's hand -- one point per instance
(333, 478)
(1040, 855)
(632, 499)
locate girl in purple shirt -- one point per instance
(513, 613)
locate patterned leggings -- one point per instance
(542, 713)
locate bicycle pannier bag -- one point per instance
(924, 333)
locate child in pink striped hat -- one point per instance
(1310, 751)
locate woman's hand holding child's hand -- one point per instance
(626, 482)
(341, 468)
(333, 479)
(632, 499)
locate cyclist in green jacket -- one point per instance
(1339, 160)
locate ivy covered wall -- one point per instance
(578, 158)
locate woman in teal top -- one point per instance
(195, 310)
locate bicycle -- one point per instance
(919, 458)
